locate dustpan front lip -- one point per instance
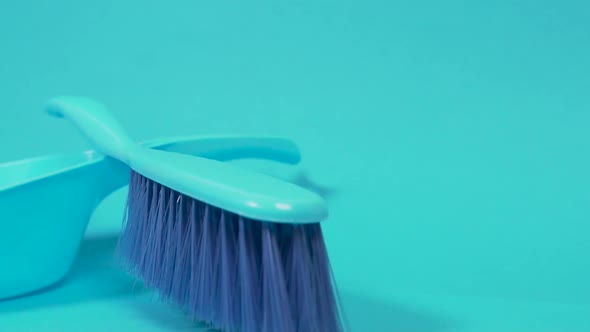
(92, 157)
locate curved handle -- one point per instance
(93, 119)
(250, 194)
(224, 148)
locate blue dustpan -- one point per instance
(46, 202)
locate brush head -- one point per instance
(228, 271)
(249, 194)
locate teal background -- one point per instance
(450, 138)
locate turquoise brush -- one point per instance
(239, 250)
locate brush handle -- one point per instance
(250, 194)
(96, 123)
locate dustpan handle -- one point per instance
(231, 147)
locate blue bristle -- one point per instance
(165, 276)
(276, 313)
(300, 283)
(227, 271)
(248, 296)
(182, 247)
(227, 313)
(154, 257)
(193, 244)
(327, 309)
(146, 238)
(203, 263)
(129, 242)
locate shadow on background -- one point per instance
(302, 179)
(364, 314)
(370, 314)
(94, 275)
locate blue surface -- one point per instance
(451, 139)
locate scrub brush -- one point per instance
(238, 250)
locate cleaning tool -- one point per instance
(53, 197)
(238, 250)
